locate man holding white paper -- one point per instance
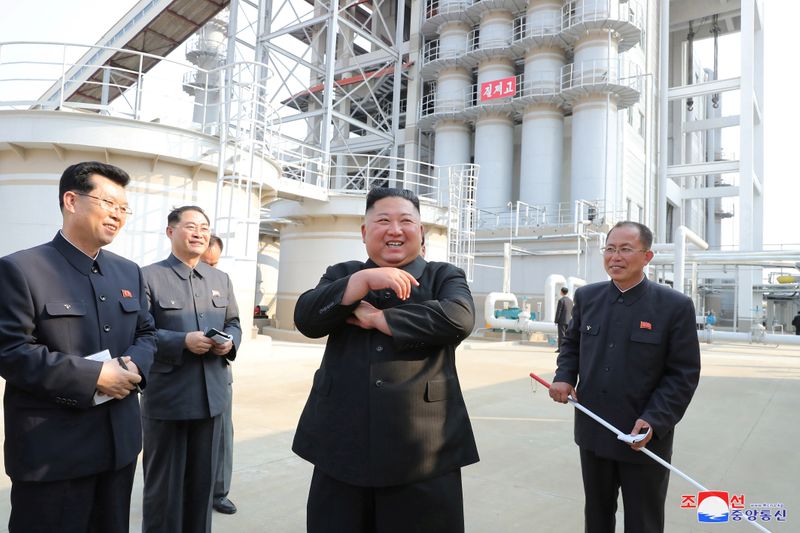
(197, 321)
(72, 461)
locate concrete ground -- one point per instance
(737, 436)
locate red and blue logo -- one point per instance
(713, 506)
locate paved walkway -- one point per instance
(740, 434)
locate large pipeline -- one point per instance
(757, 336)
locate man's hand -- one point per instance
(559, 391)
(115, 381)
(640, 427)
(375, 279)
(197, 343)
(367, 316)
(222, 349)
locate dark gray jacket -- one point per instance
(183, 385)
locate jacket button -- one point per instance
(102, 297)
(379, 383)
(106, 328)
(379, 348)
(202, 315)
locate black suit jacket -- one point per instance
(183, 385)
(57, 306)
(563, 310)
(633, 355)
(388, 410)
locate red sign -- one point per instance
(498, 88)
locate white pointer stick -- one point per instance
(647, 452)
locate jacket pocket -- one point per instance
(437, 390)
(65, 308)
(645, 336)
(129, 305)
(170, 304)
(219, 301)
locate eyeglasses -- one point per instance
(108, 205)
(625, 251)
(194, 228)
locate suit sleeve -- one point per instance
(143, 348)
(31, 366)
(319, 311)
(559, 310)
(568, 362)
(680, 375)
(448, 318)
(232, 325)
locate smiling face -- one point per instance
(626, 270)
(189, 236)
(392, 232)
(86, 223)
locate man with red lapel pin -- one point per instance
(74, 323)
(632, 351)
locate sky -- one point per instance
(85, 21)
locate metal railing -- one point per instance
(595, 72)
(521, 215)
(576, 12)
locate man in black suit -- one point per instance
(385, 424)
(563, 315)
(633, 351)
(71, 458)
(189, 379)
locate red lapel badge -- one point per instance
(126, 293)
(645, 325)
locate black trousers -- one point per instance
(644, 491)
(431, 506)
(562, 331)
(180, 459)
(96, 504)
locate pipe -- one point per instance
(756, 336)
(681, 235)
(524, 323)
(552, 284)
(573, 283)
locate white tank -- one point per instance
(594, 145)
(543, 17)
(453, 39)
(542, 154)
(494, 142)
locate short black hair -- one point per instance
(175, 215)
(77, 178)
(564, 290)
(215, 240)
(645, 234)
(379, 193)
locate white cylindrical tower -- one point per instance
(445, 63)
(206, 50)
(597, 85)
(542, 140)
(494, 127)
